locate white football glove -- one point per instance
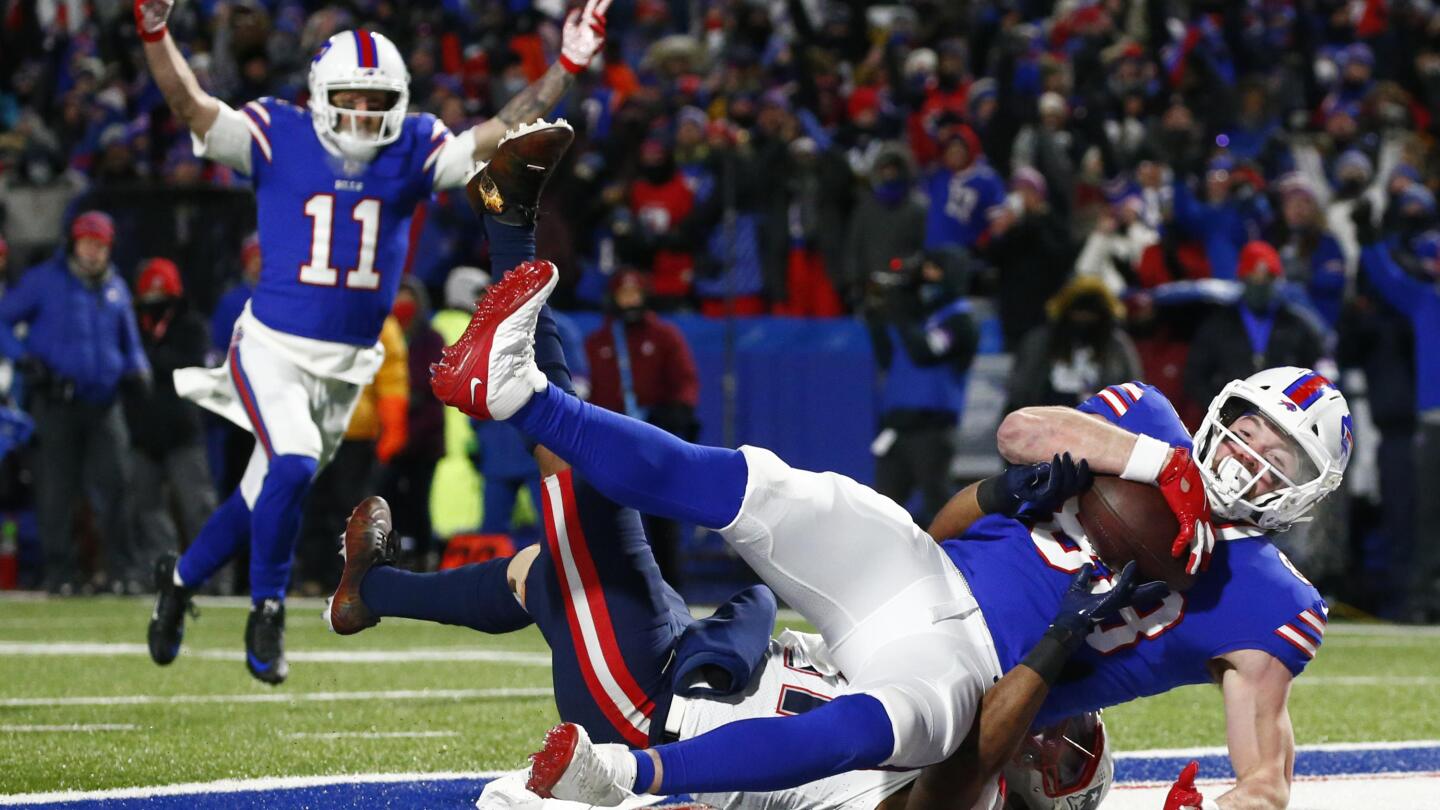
(150, 17)
(583, 35)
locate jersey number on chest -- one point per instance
(1132, 626)
(320, 208)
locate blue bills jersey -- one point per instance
(335, 233)
(961, 204)
(1251, 598)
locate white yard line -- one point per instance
(356, 656)
(21, 729)
(1388, 791)
(240, 786)
(1161, 753)
(366, 735)
(282, 697)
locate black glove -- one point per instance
(1080, 609)
(1034, 491)
(1363, 215)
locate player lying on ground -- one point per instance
(929, 627)
(336, 186)
(630, 664)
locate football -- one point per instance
(1128, 521)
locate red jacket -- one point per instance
(660, 209)
(661, 366)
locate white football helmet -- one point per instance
(1067, 766)
(1304, 408)
(358, 60)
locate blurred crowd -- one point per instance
(1183, 192)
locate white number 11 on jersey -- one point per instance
(321, 209)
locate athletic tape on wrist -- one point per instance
(1146, 460)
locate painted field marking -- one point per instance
(240, 786)
(1220, 750)
(366, 735)
(357, 656)
(8, 728)
(282, 697)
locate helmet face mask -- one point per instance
(1272, 446)
(351, 67)
(1067, 766)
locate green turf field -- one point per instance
(77, 712)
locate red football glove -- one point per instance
(583, 35)
(1174, 472)
(150, 17)
(1183, 795)
(1184, 490)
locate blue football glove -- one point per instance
(1034, 491)
(1080, 608)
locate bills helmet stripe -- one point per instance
(365, 47)
(1347, 435)
(1306, 390)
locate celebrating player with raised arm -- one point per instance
(921, 629)
(336, 187)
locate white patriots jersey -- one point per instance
(795, 677)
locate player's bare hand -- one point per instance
(150, 17)
(583, 35)
(1180, 482)
(1183, 794)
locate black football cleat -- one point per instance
(265, 642)
(167, 621)
(509, 186)
(369, 541)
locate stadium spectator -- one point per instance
(888, 224)
(378, 431)
(641, 366)
(1114, 248)
(407, 477)
(1079, 350)
(35, 193)
(660, 201)
(964, 193)
(924, 339)
(1228, 213)
(805, 229)
(1312, 257)
(1259, 331)
(1031, 251)
(81, 350)
(171, 474)
(1419, 299)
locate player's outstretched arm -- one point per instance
(177, 83)
(1256, 686)
(1023, 490)
(581, 39)
(1009, 708)
(1034, 434)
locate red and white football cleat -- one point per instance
(490, 372)
(569, 766)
